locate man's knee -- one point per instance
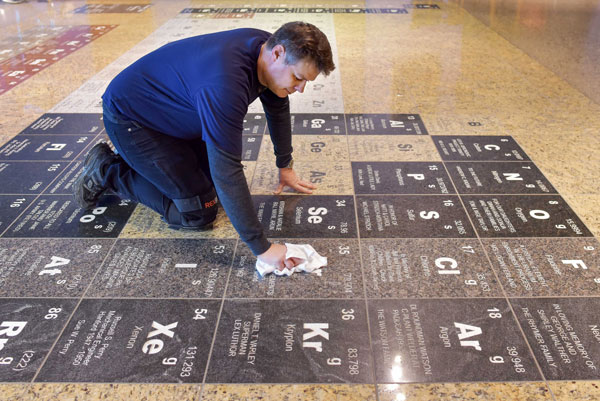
(194, 212)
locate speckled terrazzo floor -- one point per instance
(456, 151)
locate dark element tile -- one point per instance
(63, 185)
(385, 124)
(299, 216)
(110, 8)
(564, 334)
(40, 147)
(66, 124)
(11, 206)
(98, 139)
(546, 266)
(28, 328)
(251, 147)
(491, 148)
(423, 268)
(341, 278)
(49, 267)
(59, 216)
(524, 216)
(28, 177)
(498, 178)
(140, 341)
(448, 340)
(254, 124)
(409, 216)
(318, 124)
(165, 268)
(401, 178)
(289, 341)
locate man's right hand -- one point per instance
(275, 256)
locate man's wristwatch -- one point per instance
(290, 164)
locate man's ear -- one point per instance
(278, 51)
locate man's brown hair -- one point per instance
(302, 40)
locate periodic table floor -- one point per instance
(457, 206)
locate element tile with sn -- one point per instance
(401, 178)
(391, 148)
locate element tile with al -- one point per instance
(28, 329)
(411, 216)
(448, 340)
(370, 148)
(424, 268)
(401, 178)
(28, 177)
(538, 267)
(59, 216)
(66, 124)
(318, 124)
(49, 267)
(41, 147)
(385, 124)
(164, 268)
(564, 334)
(137, 341)
(341, 278)
(301, 216)
(479, 148)
(291, 341)
(524, 216)
(498, 178)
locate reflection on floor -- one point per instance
(456, 158)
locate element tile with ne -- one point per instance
(448, 340)
(341, 278)
(427, 268)
(134, 341)
(291, 341)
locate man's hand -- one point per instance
(275, 256)
(288, 177)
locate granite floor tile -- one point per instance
(564, 334)
(385, 124)
(533, 391)
(587, 208)
(250, 147)
(310, 148)
(481, 148)
(98, 392)
(11, 206)
(66, 124)
(423, 268)
(288, 392)
(318, 124)
(139, 341)
(28, 178)
(341, 278)
(49, 148)
(254, 124)
(49, 267)
(448, 340)
(13, 392)
(164, 268)
(29, 328)
(391, 148)
(575, 390)
(291, 341)
(331, 178)
(541, 267)
(63, 184)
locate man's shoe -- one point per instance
(88, 187)
(205, 227)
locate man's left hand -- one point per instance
(288, 177)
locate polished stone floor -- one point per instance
(456, 151)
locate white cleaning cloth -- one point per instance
(311, 261)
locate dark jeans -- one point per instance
(168, 174)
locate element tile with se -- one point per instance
(385, 124)
(448, 340)
(391, 148)
(11, 206)
(412, 216)
(323, 148)
(479, 148)
(41, 147)
(28, 177)
(341, 278)
(564, 334)
(164, 268)
(537, 267)
(423, 268)
(138, 341)
(401, 178)
(29, 327)
(331, 178)
(59, 216)
(66, 124)
(524, 216)
(299, 216)
(498, 178)
(291, 341)
(318, 124)
(49, 267)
